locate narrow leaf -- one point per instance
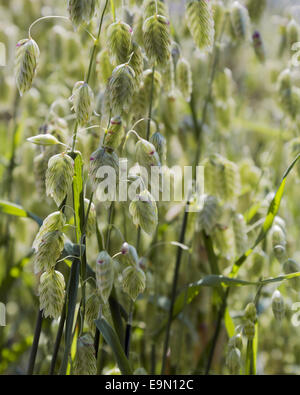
(112, 340)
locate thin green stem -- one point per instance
(58, 339)
(174, 288)
(35, 344)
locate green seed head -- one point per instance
(104, 274)
(120, 89)
(200, 21)
(83, 102)
(143, 210)
(27, 56)
(233, 360)
(51, 292)
(119, 41)
(240, 21)
(157, 39)
(133, 281)
(184, 78)
(114, 134)
(85, 360)
(278, 306)
(59, 177)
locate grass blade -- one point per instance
(112, 340)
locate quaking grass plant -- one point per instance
(145, 286)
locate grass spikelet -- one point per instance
(114, 134)
(160, 144)
(120, 88)
(200, 21)
(102, 157)
(240, 21)
(51, 292)
(81, 11)
(54, 221)
(27, 56)
(143, 210)
(59, 177)
(119, 41)
(85, 359)
(92, 309)
(133, 281)
(146, 154)
(83, 102)
(233, 360)
(278, 306)
(157, 39)
(48, 251)
(104, 274)
(184, 78)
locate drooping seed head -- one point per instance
(92, 309)
(54, 221)
(104, 274)
(184, 78)
(119, 41)
(44, 139)
(114, 134)
(59, 177)
(85, 360)
(51, 293)
(233, 360)
(157, 39)
(240, 21)
(81, 11)
(278, 306)
(102, 157)
(133, 281)
(160, 144)
(143, 210)
(146, 154)
(137, 63)
(27, 56)
(120, 88)
(83, 102)
(48, 251)
(200, 21)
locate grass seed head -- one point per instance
(51, 292)
(104, 274)
(143, 210)
(133, 281)
(59, 177)
(83, 102)
(85, 360)
(119, 41)
(157, 39)
(27, 56)
(278, 306)
(200, 21)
